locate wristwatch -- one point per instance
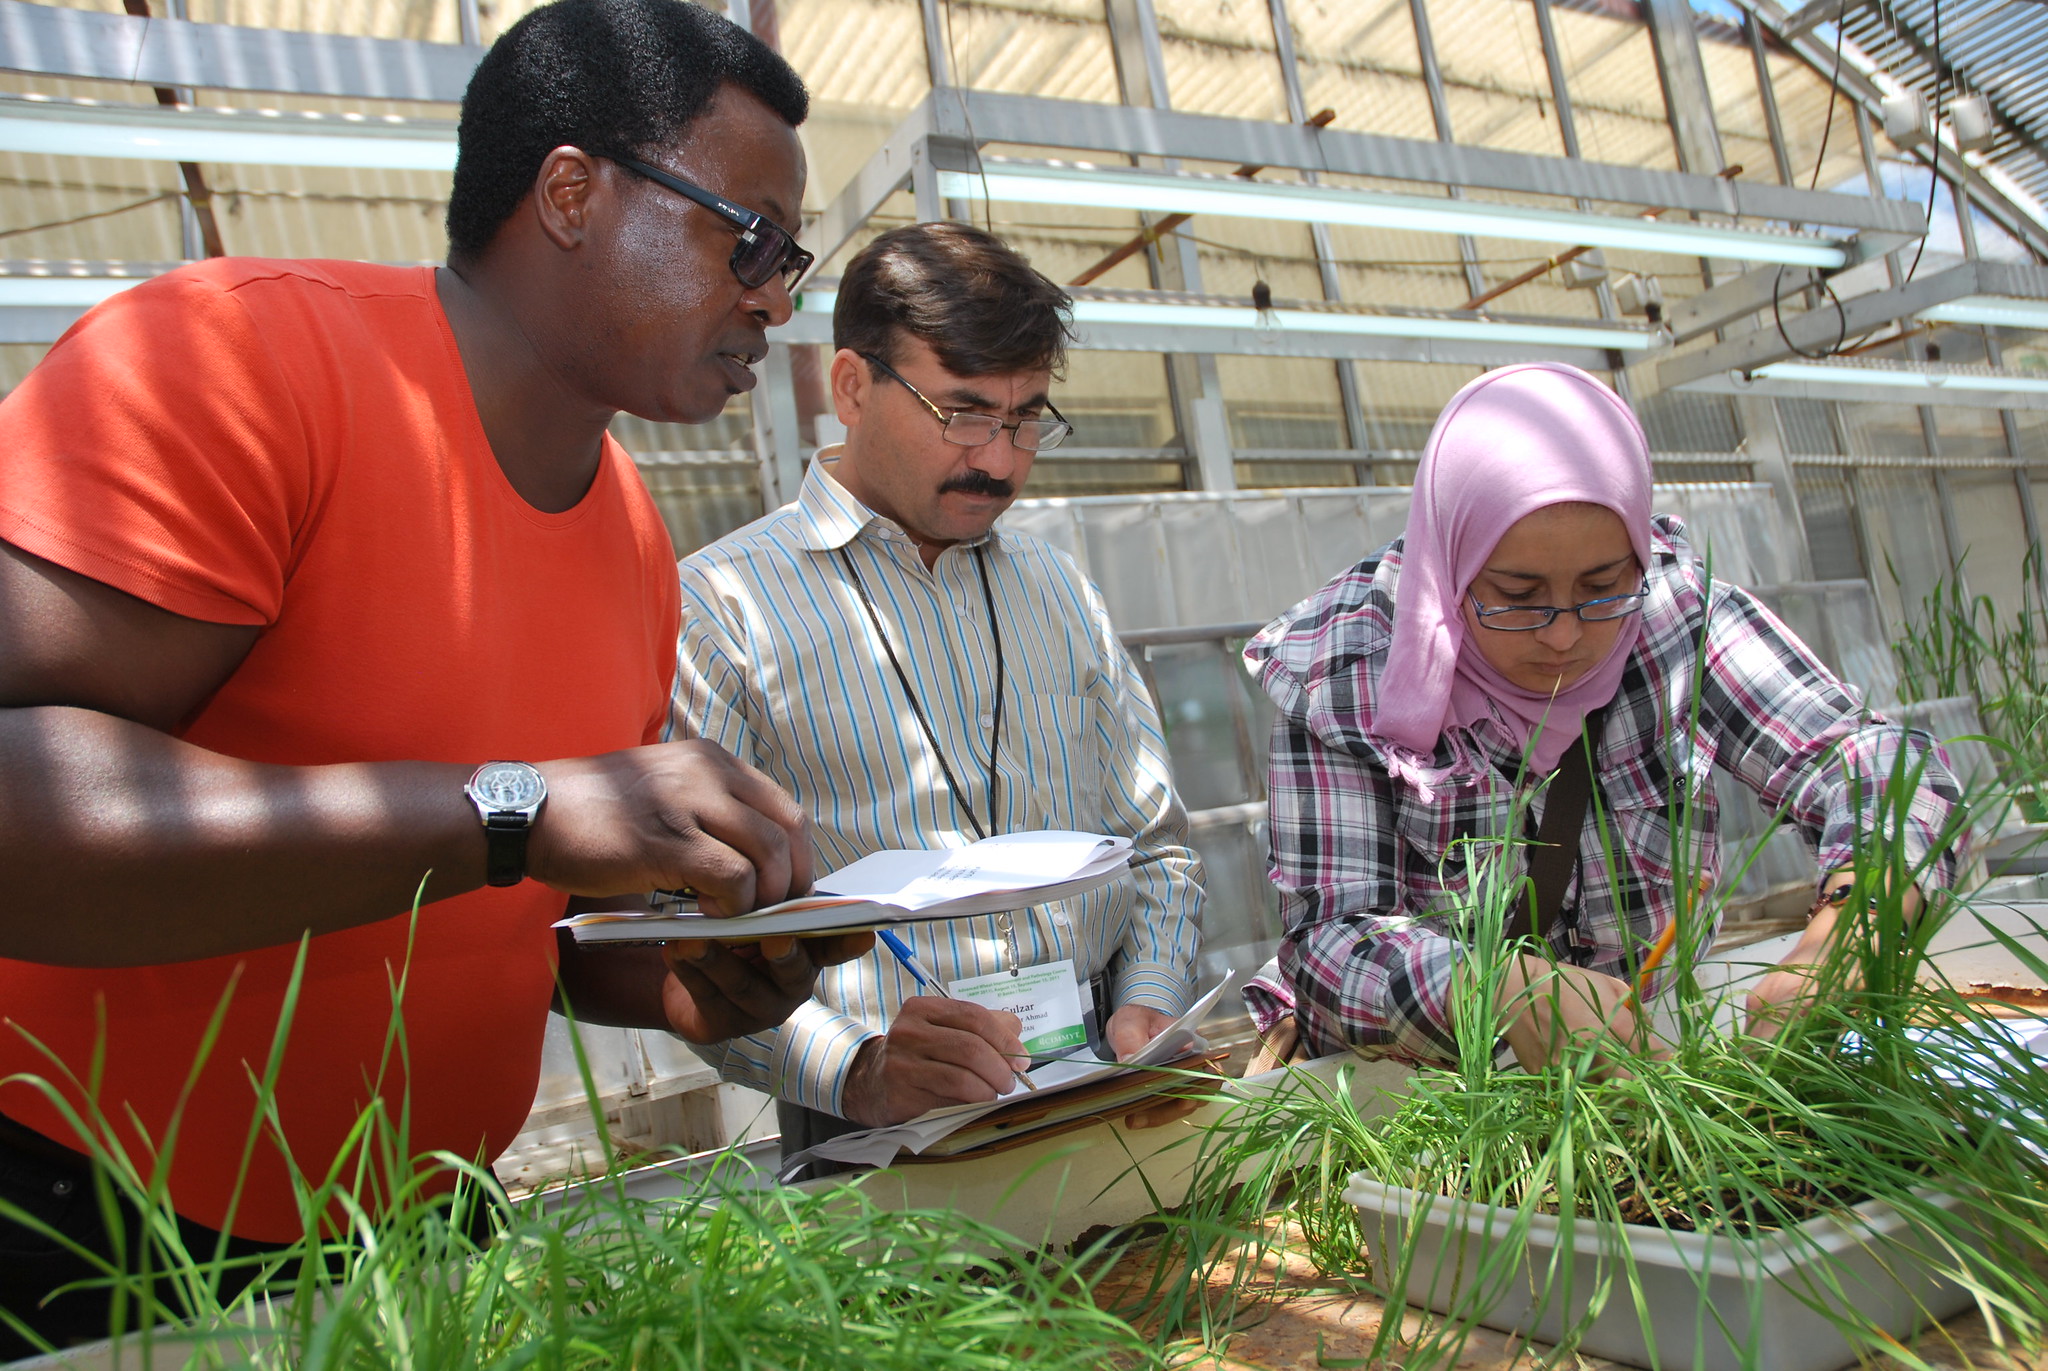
(508, 797)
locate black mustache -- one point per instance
(979, 483)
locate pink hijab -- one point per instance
(1510, 443)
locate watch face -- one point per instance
(508, 785)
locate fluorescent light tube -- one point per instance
(62, 292)
(1245, 319)
(2001, 311)
(1926, 382)
(1099, 187)
(287, 144)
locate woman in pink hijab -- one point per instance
(1533, 602)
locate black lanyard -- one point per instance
(917, 706)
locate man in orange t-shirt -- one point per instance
(319, 580)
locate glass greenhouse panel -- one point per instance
(1241, 912)
(1274, 475)
(1806, 426)
(1994, 536)
(701, 502)
(1207, 722)
(1909, 552)
(1827, 508)
(1105, 476)
(1402, 400)
(1876, 430)
(1961, 432)
(1283, 403)
(1116, 400)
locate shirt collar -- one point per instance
(832, 517)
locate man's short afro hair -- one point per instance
(611, 75)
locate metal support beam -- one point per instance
(939, 67)
(1859, 84)
(1140, 62)
(778, 446)
(299, 139)
(880, 177)
(1568, 132)
(1560, 86)
(1764, 445)
(2009, 429)
(48, 40)
(1744, 295)
(469, 26)
(814, 326)
(998, 117)
(1819, 330)
(1193, 388)
(1814, 13)
(1440, 113)
(1767, 93)
(1349, 399)
(1687, 102)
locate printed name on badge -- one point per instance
(1046, 997)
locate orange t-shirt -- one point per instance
(294, 445)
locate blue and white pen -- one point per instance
(930, 983)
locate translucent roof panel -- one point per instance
(1495, 82)
(1056, 48)
(1221, 58)
(1358, 57)
(1999, 51)
(1611, 75)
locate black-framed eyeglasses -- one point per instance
(1528, 618)
(972, 430)
(765, 248)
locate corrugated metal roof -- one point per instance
(1995, 48)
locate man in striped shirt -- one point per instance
(918, 678)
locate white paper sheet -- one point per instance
(879, 1146)
(1008, 861)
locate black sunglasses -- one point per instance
(765, 248)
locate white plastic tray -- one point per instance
(1716, 1302)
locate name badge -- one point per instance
(1046, 997)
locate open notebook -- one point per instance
(1008, 871)
(1151, 1072)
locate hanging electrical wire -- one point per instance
(1934, 149)
(95, 214)
(988, 202)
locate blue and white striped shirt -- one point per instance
(779, 664)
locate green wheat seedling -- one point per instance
(425, 1264)
(1872, 1093)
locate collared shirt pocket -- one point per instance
(1051, 763)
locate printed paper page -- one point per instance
(1011, 861)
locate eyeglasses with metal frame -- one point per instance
(1529, 618)
(765, 249)
(973, 430)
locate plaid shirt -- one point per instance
(1368, 868)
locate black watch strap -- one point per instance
(505, 848)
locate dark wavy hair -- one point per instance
(970, 296)
(618, 75)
